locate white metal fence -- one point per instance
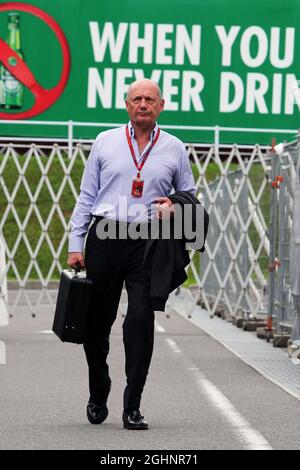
(40, 184)
(233, 270)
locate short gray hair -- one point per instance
(145, 79)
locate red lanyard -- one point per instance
(140, 166)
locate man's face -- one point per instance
(144, 105)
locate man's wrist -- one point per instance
(76, 245)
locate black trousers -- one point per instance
(109, 263)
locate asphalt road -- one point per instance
(198, 394)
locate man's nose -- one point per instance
(143, 103)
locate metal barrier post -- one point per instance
(217, 139)
(295, 253)
(70, 139)
(272, 237)
(280, 316)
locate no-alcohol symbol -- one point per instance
(17, 68)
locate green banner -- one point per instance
(223, 63)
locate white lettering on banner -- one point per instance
(122, 86)
(254, 93)
(170, 89)
(108, 39)
(190, 92)
(228, 78)
(183, 43)
(262, 50)
(192, 46)
(296, 92)
(227, 40)
(291, 92)
(163, 44)
(276, 96)
(257, 87)
(288, 58)
(137, 42)
(98, 88)
(121, 78)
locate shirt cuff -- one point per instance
(76, 244)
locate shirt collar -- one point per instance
(153, 133)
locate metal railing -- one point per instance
(70, 127)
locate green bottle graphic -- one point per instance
(11, 90)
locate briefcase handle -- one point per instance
(78, 269)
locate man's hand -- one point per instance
(74, 258)
(164, 208)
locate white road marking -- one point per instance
(2, 353)
(175, 348)
(159, 328)
(250, 438)
(44, 332)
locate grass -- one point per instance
(10, 177)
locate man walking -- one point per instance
(127, 170)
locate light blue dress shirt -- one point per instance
(107, 180)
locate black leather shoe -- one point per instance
(134, 420)
(96, 414)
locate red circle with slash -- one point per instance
(17, 67)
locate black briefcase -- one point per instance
(72, 306)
